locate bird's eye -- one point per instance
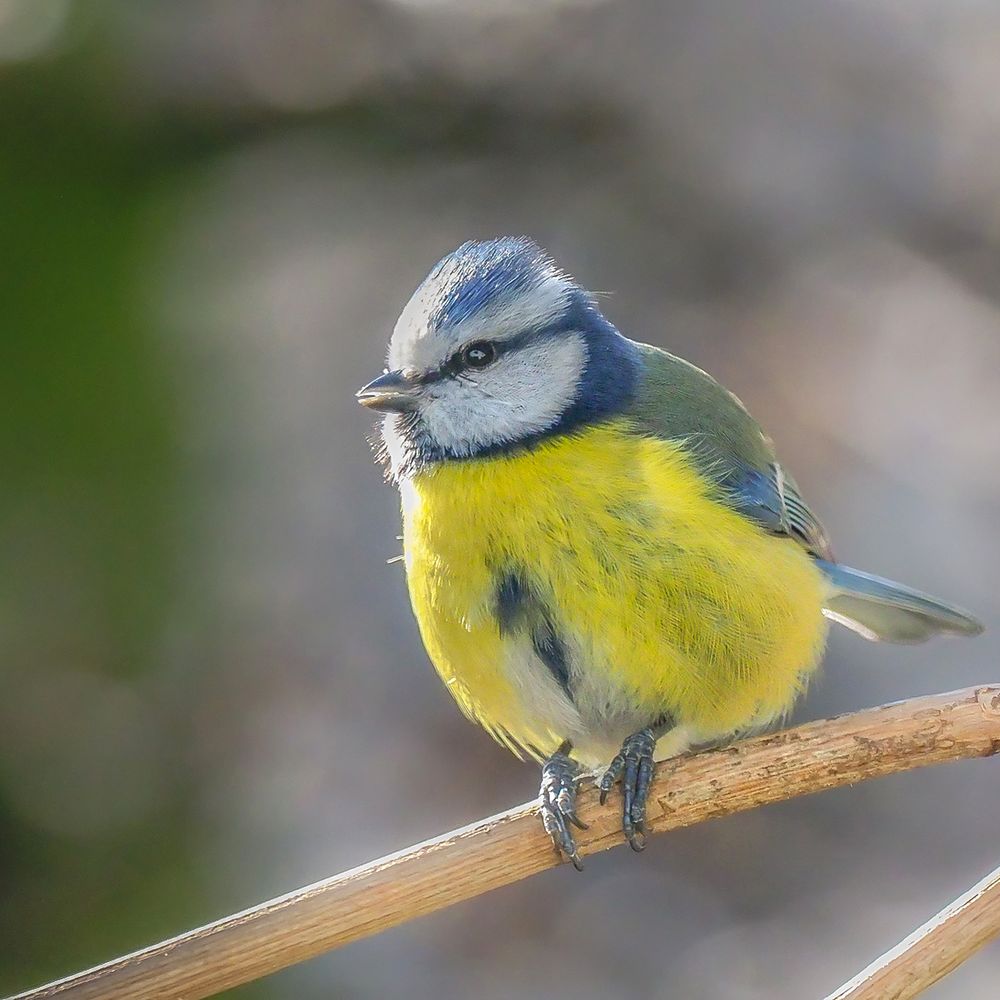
(478, 354)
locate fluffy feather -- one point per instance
(665, 599)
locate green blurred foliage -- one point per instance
(88, 515)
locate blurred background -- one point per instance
(212, 688)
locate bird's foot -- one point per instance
(634, 765)
(560, 776)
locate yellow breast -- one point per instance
(668, 601)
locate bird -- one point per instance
(606, 561)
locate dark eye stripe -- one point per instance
(455, 365)
(502, 347)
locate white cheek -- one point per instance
(524, 393)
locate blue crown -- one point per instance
(481, 273)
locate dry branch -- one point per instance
(933, 950)
(511, 846)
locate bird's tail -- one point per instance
(881, 610)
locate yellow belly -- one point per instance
(669, 602)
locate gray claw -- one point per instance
(558, 804)
(611, 775)
(634, 765)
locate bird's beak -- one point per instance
(391, 392)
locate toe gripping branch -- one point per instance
(560, 777)
(634, 765)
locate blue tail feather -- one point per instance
(880, 609)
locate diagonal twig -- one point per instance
(511, 846)
(933, 950)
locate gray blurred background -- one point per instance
(212, 688)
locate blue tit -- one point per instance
(605, 559)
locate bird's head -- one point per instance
(496, 349)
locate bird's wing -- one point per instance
(680, 402)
